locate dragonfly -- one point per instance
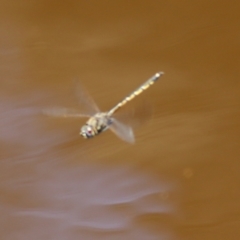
(98, 121)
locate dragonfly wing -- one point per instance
(63, 112)
(135, 115)
(87, 104)
(123, 131)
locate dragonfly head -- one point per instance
(87, 131)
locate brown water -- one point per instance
(180, 180)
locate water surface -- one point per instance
(181, 178)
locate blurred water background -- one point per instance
(180, 180)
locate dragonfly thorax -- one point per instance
(95, 125)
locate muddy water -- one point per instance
(181, 178)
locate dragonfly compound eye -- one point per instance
(87, 131)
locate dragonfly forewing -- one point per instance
(87, 104)
(123, 131)
(135, 115)
(64, 112)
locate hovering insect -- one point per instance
(100, 121)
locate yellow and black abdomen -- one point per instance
(135, 93)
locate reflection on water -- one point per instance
(180, 179)
(46, 199)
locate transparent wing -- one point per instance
(123, 131)
(135, 115)
(63, 112)
(87, 104)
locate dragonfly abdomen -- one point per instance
(135, 93)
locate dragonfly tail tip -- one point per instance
(159, 74)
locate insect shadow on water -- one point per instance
(100, 121)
